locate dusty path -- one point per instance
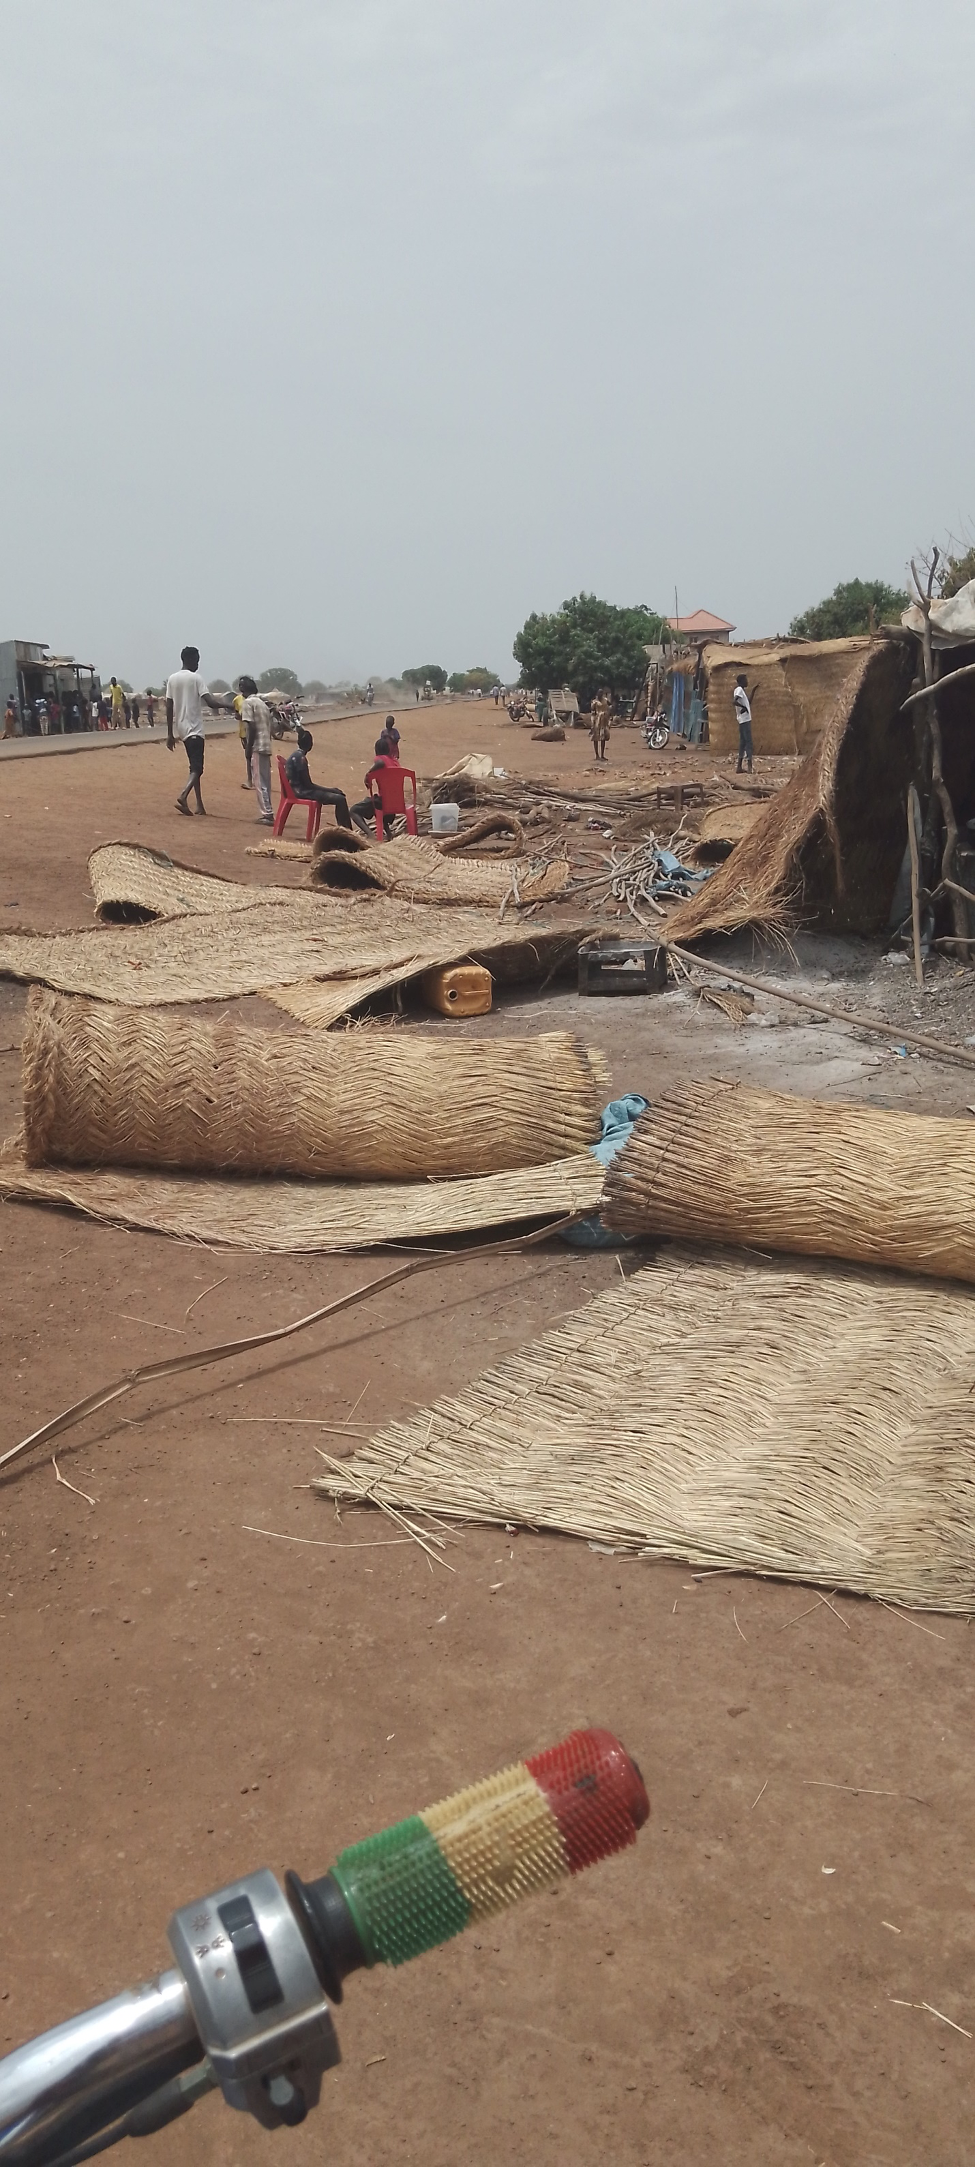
(184, 1698)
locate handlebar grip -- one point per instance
(425, 1879)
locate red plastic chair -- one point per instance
(286, 802)
(386, 788)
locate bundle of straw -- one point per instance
(775, 1416)
(106, 1086)
(718, 1162)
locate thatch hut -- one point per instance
(797, 683)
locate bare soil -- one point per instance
(185, 1698)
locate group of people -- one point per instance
(187, 695)
(122, 710)
(50, 715)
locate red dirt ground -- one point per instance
(184, 1699)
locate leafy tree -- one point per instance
(280, 681)
(315, 690)
(588, 644)
(427, 673)
(956, 572)
(219, 685)
(470, 681)
(855, 606)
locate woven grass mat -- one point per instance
(302, 937)
(296, 1216)
(411, 866)
(783, 1417)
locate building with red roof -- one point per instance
(701, 627)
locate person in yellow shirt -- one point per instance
(118, 704)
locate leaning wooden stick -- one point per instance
(174, 1365)
(912, 807)
(857, 1017)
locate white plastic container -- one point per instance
(444, 820)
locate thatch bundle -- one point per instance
(797, 684)
(490, 824)
(830, 844)
(289, 1216)
(413, 867)
(108, 1086)
(718, 1162)
(802, 1420)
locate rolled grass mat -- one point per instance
(414, 867)
(107, 1086)
(719, 1162)
(289, 1216)
(806, 1420)
(132, 884)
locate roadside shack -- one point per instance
(29, 672)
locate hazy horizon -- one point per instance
(342, 334)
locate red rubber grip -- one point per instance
(596, 1793)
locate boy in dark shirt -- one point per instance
(297, 771)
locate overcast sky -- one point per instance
(343, 333)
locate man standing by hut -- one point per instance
(744, 718)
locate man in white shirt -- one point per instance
(744, 718)
(186, 698)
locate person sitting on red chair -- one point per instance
(386, 757)
(297, 771)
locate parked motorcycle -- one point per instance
(655, 731)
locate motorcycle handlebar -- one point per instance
(248, 1996)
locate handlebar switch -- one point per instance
(256, 1998)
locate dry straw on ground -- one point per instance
(829, 846)
(801, 1420)
(718, 1162)
(118, 1087)
(289, 1216)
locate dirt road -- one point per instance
(185, 1698)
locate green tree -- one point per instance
(315, 690)
(219, 685)
(280, 681)
(470, 681)
(427, 673)
(956, 572)
(588, 644)
(855, 606)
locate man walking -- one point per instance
(744, 718)
(118, 700)
(186, 698)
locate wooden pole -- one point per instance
(912, 809)
(956, 1054)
